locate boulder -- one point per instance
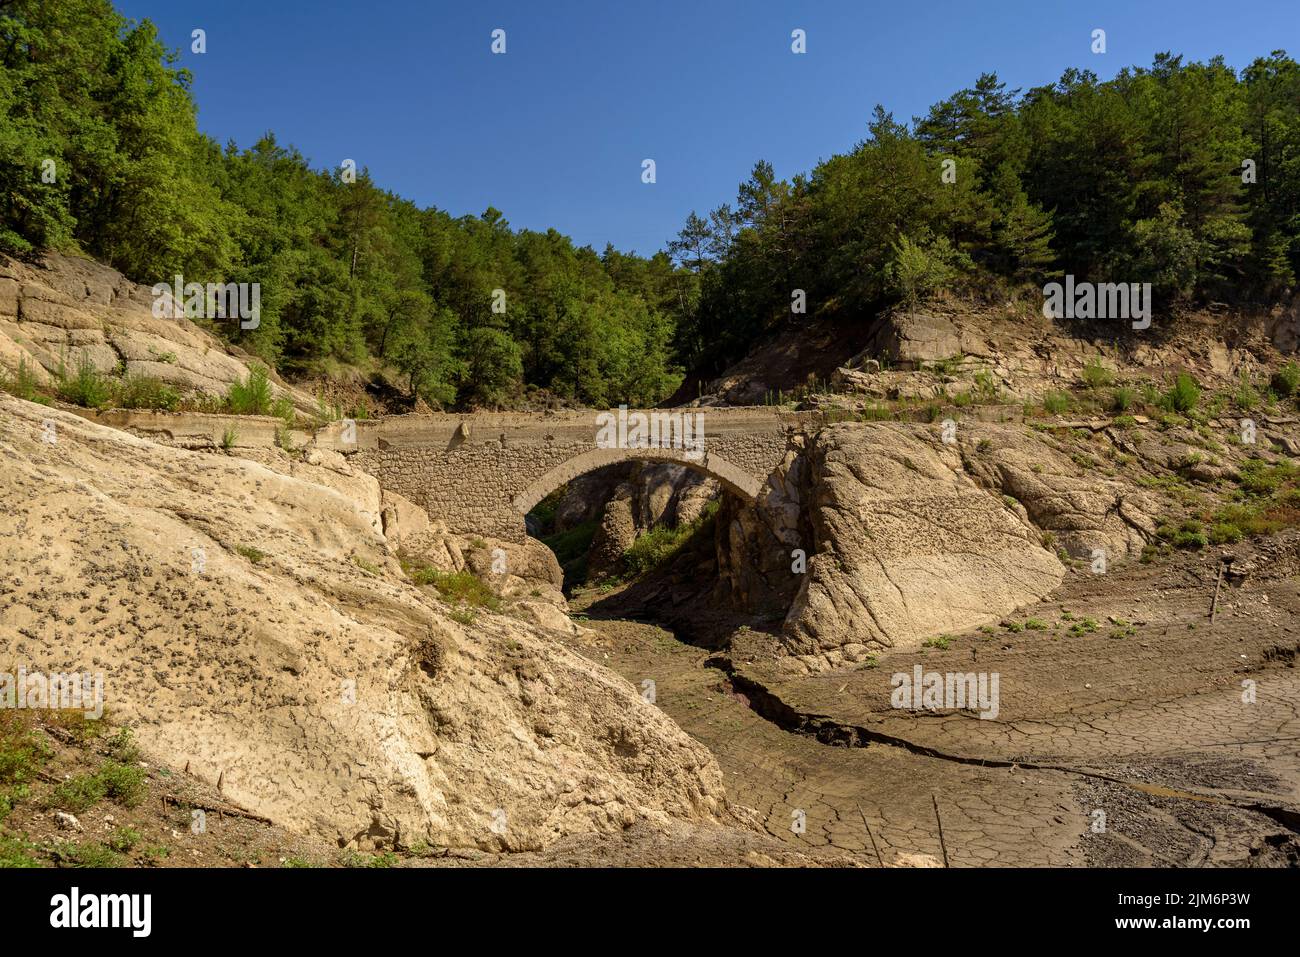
(905, 546)
(914, 337)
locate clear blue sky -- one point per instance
(553, 132)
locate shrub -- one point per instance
(146, 392)
(1183, 395)
(24, 384)
(16, 852)
(1224, 533)
(1095, 375)
(986, 385)
(1260, 478)
(282, 409)
(572, 543)
(86, 386)
(1285, 380)
(1057, 403)
(1245, 394)
(22, 755)
(1190, 535)
(660, 544)
(1123, 399)
(77, 793)
(253, 395)
(456, 587)
(122, 747)
(123, 783)
(85, 855)
(123, 839)
(654, 547)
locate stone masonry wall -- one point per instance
(481, 473)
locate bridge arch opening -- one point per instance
(568, 509)
(732, 478)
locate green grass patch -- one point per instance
(145, 392)
(1123, 399)
(1084, 626)
(455, 588)
(121, 783)
(1182, 396)
(1286, 380)
(254, 555)
(123, 840)
(24, 384)
(92, 854)
(17, 852)
(22, 755)
(85, 385)
(1095, 375)
(572, 543)
(658, 545)
(1057, 403)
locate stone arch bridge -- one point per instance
(480, 473)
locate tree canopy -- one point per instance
(1186, 175)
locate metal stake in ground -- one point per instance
(870, 835)
(942, 845)
(1224, 562)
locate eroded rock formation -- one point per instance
(255, 627)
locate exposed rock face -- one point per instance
(615, 534)
(759, 547)
(584, 498)
(652, 494)
(911, 337)
(309, 678)
(1283, 326)
(1082, 513)
(783, 362)
(906, 546)
(68, 308)
(1007, 350)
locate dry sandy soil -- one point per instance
(1142, 720)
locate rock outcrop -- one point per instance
(649, 495)
(64, 310)
(905, 547)
(256, 628)
(1087, 515)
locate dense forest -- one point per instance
(1186, 175)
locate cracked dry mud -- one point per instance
(1144, 723)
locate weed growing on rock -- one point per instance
(24, 384)
(253, 396)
